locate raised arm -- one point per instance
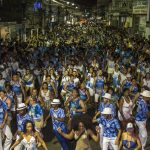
(41, 141)
(120, 108)
(120, 145)
(17, 142)
(139, 146)
(96, 137)
(83, 107)
(68, 136)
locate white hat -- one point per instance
(107, 111)
(21, 106)
(55, 102)
(129, 125)
(75, 70)
(107, 95)
(128, 75)
(89, 75)
(145, 93)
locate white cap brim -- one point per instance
(144, 95)
(55, 103)
(21, 108)
(106, 97)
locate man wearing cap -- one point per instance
(106, 104)
(111, 129)
(58, 117)
(22, 117)
(142, 115)
(4, 128)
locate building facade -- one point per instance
(131, 14)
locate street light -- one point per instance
(68, 3)
(76, 7)
(73, 4)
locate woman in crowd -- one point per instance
(29, 137)
(84, 93)
(18, 89)
(99, 85)
(46, 95)
(125, 108)
(51, 84)
(81, 132)
(28, 81)
(75, 104)
(10, 94)
(129, 139)
(45, 73)
(35, 95)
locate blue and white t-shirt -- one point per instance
(16, 87)
(99, 83)
(83, 94)
(2, 83)
(36, 111)
(142, 109)
(3, 110)
(127, 84)
(110, 127)
(21, 121)
(59, 113)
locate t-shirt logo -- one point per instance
(108, 125)
(1, 110)
(19, 122)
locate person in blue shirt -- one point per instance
(106, 103)
(84, 93)
(2, 82)
(76, 105)
(99, 85)
(4, 128)
(51, 84)
(58, 120)
(17, 88)
(127, 83)
(28, 81)
(142, 115)
(111, 129)
(135, 88)
(22, 117)
(36, 112)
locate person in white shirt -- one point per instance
(2, 82)
(111, 67)
(146, 81)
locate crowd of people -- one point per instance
(92, 81)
